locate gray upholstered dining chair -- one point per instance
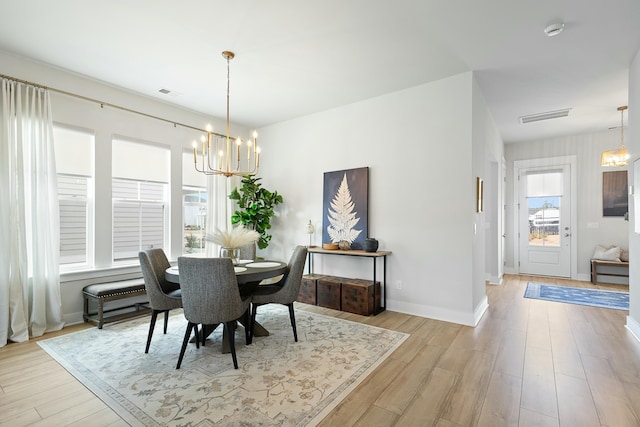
(283, 292)
(163, 295)
(210, 296)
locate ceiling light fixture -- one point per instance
(554, 29)
(619, 157)
(218, 156)
(544, 116)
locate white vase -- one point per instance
(233, 253)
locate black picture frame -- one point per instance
(615, 201)
(345, 206)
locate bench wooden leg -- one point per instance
(100, 313)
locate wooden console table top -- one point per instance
(354, 252)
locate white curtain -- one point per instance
(30, 300)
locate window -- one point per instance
(74, 210)
(138, 217)
(194, 205)
(139, 197)
(74, 165)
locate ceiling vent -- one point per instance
(165, 91)
(544, 116)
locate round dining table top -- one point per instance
(247, 271)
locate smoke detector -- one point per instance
(554, 29)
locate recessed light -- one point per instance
(554, 29)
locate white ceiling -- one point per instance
(295, 57)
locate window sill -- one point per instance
(114, 271)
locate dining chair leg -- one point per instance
(229, 328)
(154, 315)
(166, 320)
(185, 341)
(292, 316)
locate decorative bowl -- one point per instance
(330, 246)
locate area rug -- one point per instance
(582, 296)
(279, 382)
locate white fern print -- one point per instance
(342, 218)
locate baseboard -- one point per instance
(480, 310)
(634, 327)
(72, 318)
(494, 280)
(511, 270)
(438, 313)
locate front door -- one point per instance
(545, 221)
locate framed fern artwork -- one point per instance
(345, 206)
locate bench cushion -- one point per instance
(123, 286)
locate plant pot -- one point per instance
(370, 244)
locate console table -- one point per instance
(358, 253)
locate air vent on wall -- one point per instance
(544, 116)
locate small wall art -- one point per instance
(479, 194)
(615, 201)
(345, 207)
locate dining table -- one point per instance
(249, 274)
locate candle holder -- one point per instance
(310, 230)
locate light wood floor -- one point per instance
(528, 363)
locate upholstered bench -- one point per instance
(111, 291)
(612, 263)
(609, 269)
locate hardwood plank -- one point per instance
(538, 386)
(428, 405)
(566, 358)
(26, 418)
(377, 417)
(510, 358)
(575, 402)
(538, 329)
(502, 403)
(533, 419)
(103, 418)
(463, 407)
(407, 383)
(609, 395)
(362, 398)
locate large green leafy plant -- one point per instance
(255, 207)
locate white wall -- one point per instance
(588, 149)
(424, 147)
(417, 144)
(633, 143)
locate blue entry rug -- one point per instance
(583, 296)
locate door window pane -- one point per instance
(544, 221)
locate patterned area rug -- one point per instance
(582, 296)
(279, 382)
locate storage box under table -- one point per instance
(309, 289)
(329, 292)
(357, 296)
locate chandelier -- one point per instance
(619, 157)
(220, 154)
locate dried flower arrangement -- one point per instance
(237, 237)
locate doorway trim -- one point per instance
(551, 162)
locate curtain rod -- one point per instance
(102, 104)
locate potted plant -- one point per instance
(255, 207)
